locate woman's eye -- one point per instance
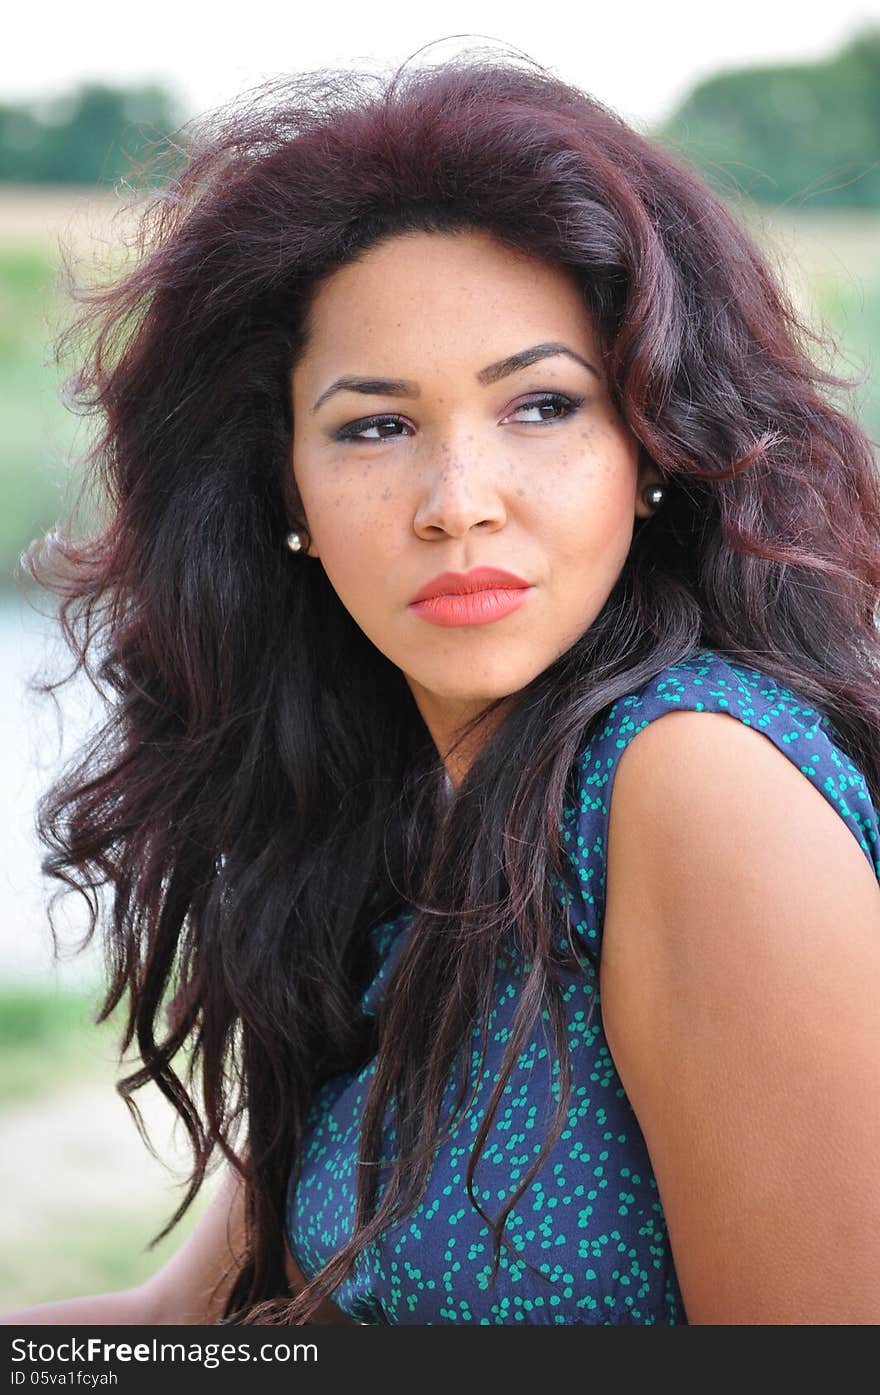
(369, 429)
(552, 407)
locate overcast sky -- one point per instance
(635, 56)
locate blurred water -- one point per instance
(34, 752)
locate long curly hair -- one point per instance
(263, 790)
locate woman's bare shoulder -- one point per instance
(740, 987)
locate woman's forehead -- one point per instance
(432, 295)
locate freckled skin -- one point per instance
(469, 474)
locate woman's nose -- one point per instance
(460, 491)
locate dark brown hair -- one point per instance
(264, 790)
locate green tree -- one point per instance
(92, 136)
(808, 134)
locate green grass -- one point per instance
(38, 434)
(829, 261)
(78, 1239)
(88, 1252)
(48, 1039)
(852, 310)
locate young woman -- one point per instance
(486, 603)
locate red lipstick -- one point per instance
(470, 598)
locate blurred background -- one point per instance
(779, 108)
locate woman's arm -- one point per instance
(190, 1290)
(740, 990)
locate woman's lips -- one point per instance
(472, 607)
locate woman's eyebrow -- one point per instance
(402, 387)
(527, 356)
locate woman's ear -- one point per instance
(296, 514)
(302, 527)
(648, 478)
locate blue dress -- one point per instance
(591, 1221)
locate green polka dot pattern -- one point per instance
(589, 1238)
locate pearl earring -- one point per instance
(294, 542)
(654, 495)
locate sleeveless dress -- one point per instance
(590, 1242)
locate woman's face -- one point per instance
(452, 451)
